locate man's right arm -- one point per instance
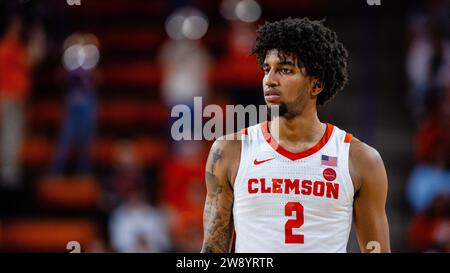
(217, 216)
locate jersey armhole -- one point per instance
(240, 170)
(238, 179)
(348, 138)
(349, 187)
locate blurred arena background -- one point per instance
(86, 92)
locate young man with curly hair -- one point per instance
(294, 183)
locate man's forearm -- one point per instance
(217, 220)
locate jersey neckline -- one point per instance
(291, 155)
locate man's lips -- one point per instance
(271, 94)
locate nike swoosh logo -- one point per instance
(256, 162)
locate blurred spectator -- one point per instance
(79, 125)
(433, 137)
(135, 226)
(428, 57)
(183, 195)
(97, 246)
(185, 63)
(430, 229)
(17, 58)
(428, 70)
(431, 175)
(126, 175)
(238, 68)
(424, 184)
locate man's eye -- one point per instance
(266, 70)
(285, 71)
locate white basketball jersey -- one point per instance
(293, 202)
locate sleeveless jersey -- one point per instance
(293, 202)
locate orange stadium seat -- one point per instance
(114, 7)
(112, 112)
(124, 113)
(150, 151)
(36, 152)
(49, 235)
(45, 112)
(133, 73)
(226, 73)
(69, 192)
(136, 38)
(39, 152)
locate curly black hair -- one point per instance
(315, 46)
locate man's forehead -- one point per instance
(277, 56)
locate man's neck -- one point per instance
(301, 129)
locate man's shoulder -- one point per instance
(229, 142)
(362, 152)
(228, 149)
(364, 161)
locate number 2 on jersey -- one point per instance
(293, 223)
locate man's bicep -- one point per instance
(217, 216)
(369, 207)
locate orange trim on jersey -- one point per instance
(348, 138)
(295, 156)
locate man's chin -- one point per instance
(272, 104)
(275, 109)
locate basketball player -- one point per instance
(297, 190)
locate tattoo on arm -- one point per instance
(217, 217)
(216, 156)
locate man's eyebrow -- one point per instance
(280, 63)
(287, 63)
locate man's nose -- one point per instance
(270, 79)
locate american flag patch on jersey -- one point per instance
(329, 160)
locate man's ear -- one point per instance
(316, 86)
